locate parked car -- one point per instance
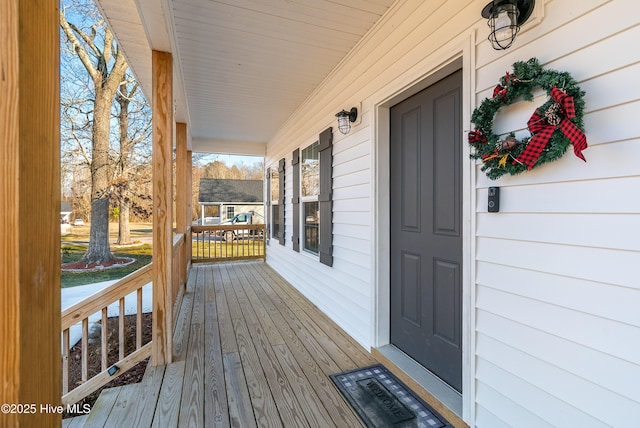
(78, 222)
(207, 221)
(251, 217)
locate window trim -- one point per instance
(267, 201)
(282, 202)
(301, 214)
(325, 198)
(295, 199)
(303, 223)
(272, 203)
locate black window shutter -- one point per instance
(295, 200)
(281, 201)
(267, 216)
(325, 199)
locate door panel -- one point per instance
(426, 229)
(411, 299)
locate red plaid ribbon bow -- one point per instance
(542, 131)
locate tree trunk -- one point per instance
(126, 146)
(124, 231)
(99, 251)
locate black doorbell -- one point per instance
(494, 199)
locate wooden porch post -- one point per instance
(30, 358)
(183, 193)
(162, 104)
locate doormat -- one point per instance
(382, 400)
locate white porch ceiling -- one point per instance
(241, 67)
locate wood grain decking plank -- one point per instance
(124, 406)
(216, 412)
(227, 336)
(197, 312)
(192, 403)
(149, 391)
(168, 407)
(75, 422)
(102, 407)
(182, 330)
(240, 410)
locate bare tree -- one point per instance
(127, 167)
(106, 66)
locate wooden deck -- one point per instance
(249, 351)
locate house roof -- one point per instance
(213, 190)
(65, 207)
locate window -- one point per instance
(275, 208)
(309, 190)
(231, 211)
(275, 188)
(310, 171)
(311, 226)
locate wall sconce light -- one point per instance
(505, 18)
(345, 118)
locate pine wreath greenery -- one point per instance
(499, 152)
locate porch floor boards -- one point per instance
(249, 350)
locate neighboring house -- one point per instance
(231, 196)
(65, 217)
(528, 317)
(65, 212)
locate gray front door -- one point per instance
(426, 228)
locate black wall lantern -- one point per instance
(505, 18)
(345, 118)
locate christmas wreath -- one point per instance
(553, 126)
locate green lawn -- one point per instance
(72, 253)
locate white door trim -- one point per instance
(457, 54)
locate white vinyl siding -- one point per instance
(557, 303)
(554, 278)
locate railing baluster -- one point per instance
(139, 319)
(85, 349)
(121, 330)
(65, 361)
(197, 244)
(104, 339)
(236, 243)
